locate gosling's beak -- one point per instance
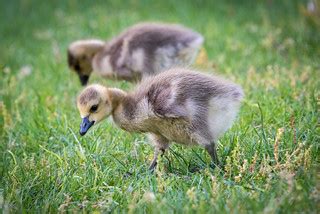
(85, 125)
(83, 79)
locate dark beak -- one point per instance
(85, 125)
(83, 79)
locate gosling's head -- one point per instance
(94, 105)
(80, 55)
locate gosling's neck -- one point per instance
(116, 96)
(121, 105)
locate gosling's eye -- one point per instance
(77, 67)
(93, 108)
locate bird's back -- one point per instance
(165, 45)
(159, 46)
(170, 93)
(150, 35)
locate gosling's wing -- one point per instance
(151, 48)
(181, 51)
(161, 98)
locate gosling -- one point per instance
(140, 51)
(177, 105)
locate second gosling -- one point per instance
(142, 50)
(178, 105)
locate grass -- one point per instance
(271, 154)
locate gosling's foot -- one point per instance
(153, 166)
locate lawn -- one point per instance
(270, 155)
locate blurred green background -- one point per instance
(271, 155)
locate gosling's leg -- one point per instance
(211, 149)
(154, 161)
(161, 144)
(209, 146)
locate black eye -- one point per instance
(77, 67)
(93, 108)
